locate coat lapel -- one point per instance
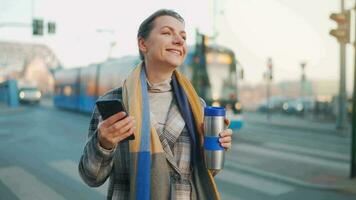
(171, 131)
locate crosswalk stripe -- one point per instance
(291, 156)
(26, 186)
(306, 150)
(254, 183)
(70, 169)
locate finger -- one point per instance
(127, 134)
(226, 146)
(226, 132)
(125, 128)
(112, 119)
(120, 124)
(225, 139)
(227, 122)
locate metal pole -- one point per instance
(268, 97)
(341, 120)
(237, 68)
(269, 79)
(215, 12)
(353, 124)
(302, 80)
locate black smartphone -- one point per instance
(109, 107)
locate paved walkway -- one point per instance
(295, 150)
(301, 123)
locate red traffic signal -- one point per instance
(341, 18)
(342, 33)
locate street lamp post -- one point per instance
(269, 77)
(302, 80)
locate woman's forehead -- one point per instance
(170, 22)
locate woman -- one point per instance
(165, 161)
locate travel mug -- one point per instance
(213, 125)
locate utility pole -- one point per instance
(341, 122)
(342, 33)
(353, 124)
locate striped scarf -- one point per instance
(149, 172)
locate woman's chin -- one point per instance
(174, 62)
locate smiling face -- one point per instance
(165, 45)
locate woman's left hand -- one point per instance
(226, 137)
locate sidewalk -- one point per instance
(293, 172)
(289, 162)
(295, 122)
(5, 110)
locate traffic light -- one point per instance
(37, 27)
(51, 27)
(342, 33)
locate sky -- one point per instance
(288, 31)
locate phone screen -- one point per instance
(110, 107)
(107, 108)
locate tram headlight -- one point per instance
(300, 107)
(38, 94)
(285, 106)
(238, 106)
(22, 95)
(216, 104)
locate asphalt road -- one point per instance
(40, 148)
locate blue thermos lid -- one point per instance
(214, 111)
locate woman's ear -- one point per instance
(142, 45)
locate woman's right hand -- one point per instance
(115, 129)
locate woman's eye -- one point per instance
(166, 33)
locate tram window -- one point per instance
(88, 80)
(67, 90)
(57, 90)
(67, 76)
(112, 74)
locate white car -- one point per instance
(29, 95)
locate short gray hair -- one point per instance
(147, 25)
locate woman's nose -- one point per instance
(178, 40)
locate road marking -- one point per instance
(254, 183)
(26, 186)
(70, 169)
(306, 150)
(291, 156)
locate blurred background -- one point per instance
(283, 69)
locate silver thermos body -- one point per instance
(213, 125)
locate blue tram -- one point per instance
(78, 88)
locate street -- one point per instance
(41, 146)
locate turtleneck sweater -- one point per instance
(160, 98)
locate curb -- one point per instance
(285, 179)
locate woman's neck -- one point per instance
(157, 73)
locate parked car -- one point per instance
(30, 95)
(299, 106)
(274, 104)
